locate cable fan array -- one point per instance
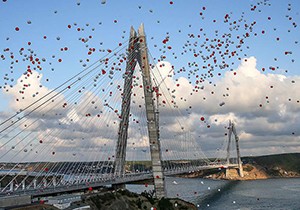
(68, 136)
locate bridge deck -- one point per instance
(99, 182)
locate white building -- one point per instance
(63, 201)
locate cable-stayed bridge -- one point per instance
(115, 122)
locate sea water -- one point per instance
(244, 195)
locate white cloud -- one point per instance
(28, 90)
(267, 118)
(260, 104)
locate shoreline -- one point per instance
(211, 178)
(275, 177)
(251, 172)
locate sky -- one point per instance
(217, 59)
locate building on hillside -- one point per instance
(63, 201)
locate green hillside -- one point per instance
(287, 162)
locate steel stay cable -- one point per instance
(116, 100)
(163, 81)
(98, 164)
(27, 144)
(55, 90)
(91, 119)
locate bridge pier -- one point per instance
(54, 181)
(11, 186)
(45, 182)
(118, 186)
(34, 183)
(23, 184)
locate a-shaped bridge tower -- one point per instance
(138, 53)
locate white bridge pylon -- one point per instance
(138, 52)
(232, 130)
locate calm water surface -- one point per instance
(245, 195)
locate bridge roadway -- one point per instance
(68, 187)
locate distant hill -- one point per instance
(259, 167)
(274, 164)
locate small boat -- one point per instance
(174, 182)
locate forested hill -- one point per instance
(274, 163)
